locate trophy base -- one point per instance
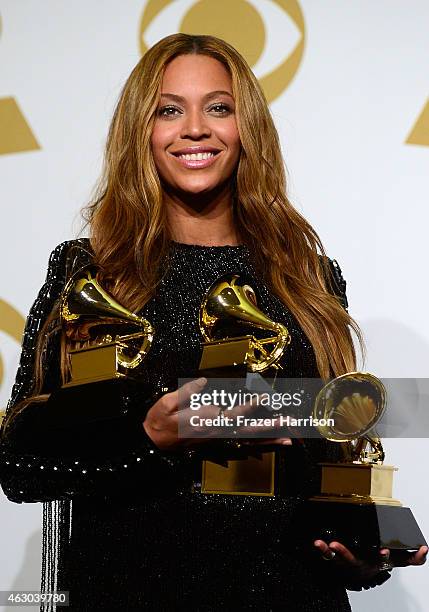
(95, 363)
(363, 527)
(358, 483)
(248, 476)
(87, 381)
(91, 401)
(225, 358)
(98, 419)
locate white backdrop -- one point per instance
(344, 120)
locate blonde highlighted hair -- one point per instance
(128, 210)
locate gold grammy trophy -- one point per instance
(85, 306)
(228, 308)
(355, 505)
(100, 356)
(228, 305)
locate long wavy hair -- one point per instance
(129, 233)
(128, 227)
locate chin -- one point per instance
(196, 188)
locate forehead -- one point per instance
(187, 74)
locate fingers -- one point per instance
(417, 558)
(248, 408)
(237, 421)
(324, 549)
(174, 412)
(184, 393)
(341, 553)
(400, 558)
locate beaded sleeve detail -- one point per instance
(59, 260)
(35, 477)
(339, 284)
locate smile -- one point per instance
(196, 160)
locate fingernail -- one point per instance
(201, 381)
(287, 442)
(329, 555)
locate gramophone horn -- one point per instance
(351, 405)
(85, 304)
(230, 304)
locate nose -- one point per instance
(195, 125)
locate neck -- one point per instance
(204, 219)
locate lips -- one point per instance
(196, 157)
(195, 150)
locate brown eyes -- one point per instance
(221, 108)
(172, 111)
(167, 111)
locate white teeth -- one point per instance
(196, 156)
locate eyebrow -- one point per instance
(209, 96)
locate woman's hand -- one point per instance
(162, 420)
(362, 570)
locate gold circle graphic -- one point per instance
(213, 16)
(221, 18)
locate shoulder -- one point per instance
(74, 248)
(335, 279)
(67, 257)
(64, 260)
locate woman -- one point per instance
(193, 187)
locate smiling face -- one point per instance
(195, 140)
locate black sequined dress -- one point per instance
(122, 528)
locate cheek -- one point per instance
(157, 144)
(236, 152)
(232, 137)
(162, 137)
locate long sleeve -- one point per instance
(37, 461)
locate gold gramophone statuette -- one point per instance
(355, 403)
(85, 305)
(228, 307)
(355, 504)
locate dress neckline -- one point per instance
(188, 246)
